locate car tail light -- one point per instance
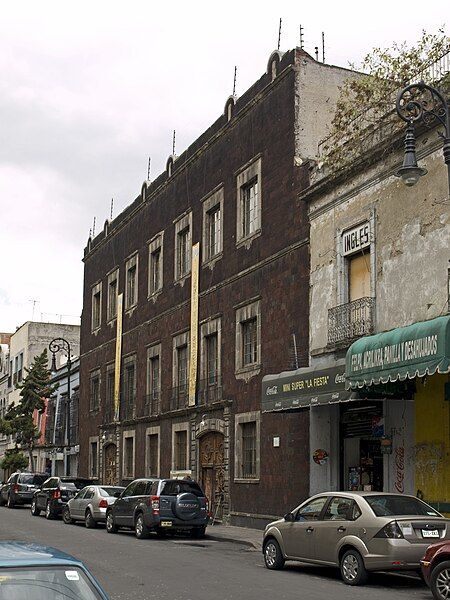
(154, 503)
(391, 531)
(16, 488)
(56, 494)
(103, 503)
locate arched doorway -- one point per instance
(110, 465)
(212, 470)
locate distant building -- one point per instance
(4, 387)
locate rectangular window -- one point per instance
(154, 376)
(20, 367)
(96, 306)
(131, 291)
(249, 342)
(155, 271)
(153, 455)
(94, 459)
(213, 225)
(182, 373)
(249, 195)
(248, 337)
(110, 383)
(247, 453)
(183, 229)
(249, 450)
(212, 358)
(128, 461)
(214, 233)
(129, 388)
(95, 391)
(180, 450)
(112, 294)
(359, 276)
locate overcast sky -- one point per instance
(88, 90)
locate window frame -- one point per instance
(210, 203)
(112, 277)
(176, 429)
(183, 224)
(156, 245)
(96, 290)
(244, 314)
(128, 434)
(130, 263)
(240, 420)
(93, 375)
(155, 430)
(94, 474)
(246, 177)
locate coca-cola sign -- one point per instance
(400, 469)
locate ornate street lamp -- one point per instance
(55, 346)
(420, 102)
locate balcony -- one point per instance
(350, 321)
(152, 404)
(128, 407)
(209, 392)
(179, 397)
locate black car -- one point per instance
(160, 505)
(54, 494)
(20, 488)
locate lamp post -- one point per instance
(422, 103)
(55, 346)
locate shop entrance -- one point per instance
(362, 427)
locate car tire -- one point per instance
(10, 502)
(48, 511)
(353, 570)
(440, 580)
(89, 520)
(198, 532)
(111, 527)
(273, 557)
(66, 517)
(140, 528)
(35, 511)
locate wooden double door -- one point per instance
(110, 465)
(211, 450)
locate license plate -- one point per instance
(432, 533)
(166, 523)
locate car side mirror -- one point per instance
(289, 517)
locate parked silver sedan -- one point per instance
(90, 504)
(356, 531)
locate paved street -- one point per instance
(184, 569)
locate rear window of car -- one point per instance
(111, 491)
(173, 488)
(392, 505)
(31, 479)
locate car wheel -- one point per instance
(66, 516)
(111, 527)
(48, 511)
(353, 570)
(198, 532)
(273, 557)
(34, 509)
(140, 528)
(440, 581)
(10, 502)
(89, 520)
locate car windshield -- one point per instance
(77, 484)
(173, 488)
(46, 583)
(111, 491)
(31, 479)
(387, 505)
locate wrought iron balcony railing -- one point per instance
(128, 407)
(209, 391)
(350, 321)
(179, 397)
(152, 404)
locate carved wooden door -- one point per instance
(212, 471)
(110, 471)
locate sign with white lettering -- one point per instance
(356, 239)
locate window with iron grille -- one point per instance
(128, 463)
(182, 364)
(129, 387)
(20, 367)
(212, 358)
(249, 199)
(180, 451)
(96, 306)
(248, 450)
(153, 455)
(155, 271)
(249, 342)
(112, 295)
(131, 282)
(95, 391)
(183, 254)
(110, 384)
(94, 459)
(214, 246)
(153, 374)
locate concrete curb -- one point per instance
(230, 538)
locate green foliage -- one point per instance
(367, 100)
(34, 390)
(14, 460)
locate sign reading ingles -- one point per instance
(303, 387)
(356, 239)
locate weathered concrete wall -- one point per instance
(411, 240)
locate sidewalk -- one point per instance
(239, 535)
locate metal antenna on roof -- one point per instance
(148, 168)
(301, 37)
(279, 34)
(111, 211)
(173, 143)
(323, 47)
(93, 229)
(316, 50)
(234, 80)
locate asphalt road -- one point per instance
(185, 569)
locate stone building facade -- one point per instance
(232, 200)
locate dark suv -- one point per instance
(20, 488)
(160, 505)
(54, 494)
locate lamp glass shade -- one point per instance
(411, 175)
